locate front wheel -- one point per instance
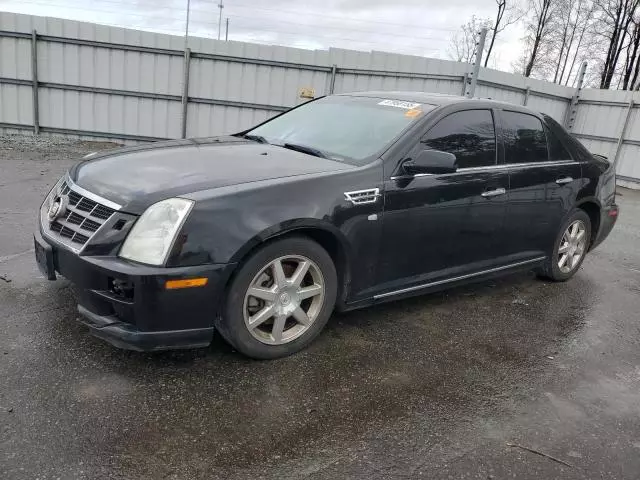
(280, 299)
(570, 248)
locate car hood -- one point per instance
(137, 177)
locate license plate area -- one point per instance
(44, 258)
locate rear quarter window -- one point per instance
(557, 150)
(578, 151)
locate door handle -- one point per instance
(494, 193)
(562, 181)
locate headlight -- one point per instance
(152, 236)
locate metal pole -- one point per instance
(472, 80)
(34, 80)
(220, 6)
(527, 93)
(185, 91)
(573, 106)
(332, 81)
(226, 32)
(186, 28)
(616, 157)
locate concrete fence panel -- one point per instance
(94, 81)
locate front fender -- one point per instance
(223, 228)
(227, 223)
(291, 227)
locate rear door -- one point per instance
(567, 176)
(544, 181)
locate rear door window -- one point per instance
(524, 138)
(470, 135)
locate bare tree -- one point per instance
(581, 24)
(462, 46)
(616, 25)
(629, 76)
(570, 21)
(567, 30)
(501, 22)
(537, 26)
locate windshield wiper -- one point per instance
(255, 138)
(304, 149)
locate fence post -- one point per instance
(527, 92)
(464, 83)
(627, 117)
(472, 79)
(332, 81)
(34, 82)
(185, 91)
(573, 106)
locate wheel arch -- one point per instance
(592, 207)
(325, 234)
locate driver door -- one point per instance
(440, 226)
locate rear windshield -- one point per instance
(350, 129)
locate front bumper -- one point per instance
(123, 335)
(127, 304)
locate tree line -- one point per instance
(558, 35)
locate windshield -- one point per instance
(345, 128)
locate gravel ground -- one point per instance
(440, 386)
(21, 145)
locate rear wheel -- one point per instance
(570, 248)
(280, 299)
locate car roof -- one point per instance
(437, 99)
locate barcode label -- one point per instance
(399, 104)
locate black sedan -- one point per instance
(343, 202)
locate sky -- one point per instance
(414, 27)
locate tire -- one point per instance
(551, 269)
(279, 293)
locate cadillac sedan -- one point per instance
(340, 203)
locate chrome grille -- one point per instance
(82, 219)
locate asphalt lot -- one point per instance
(432, 387)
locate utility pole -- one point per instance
(472, 78)
(220, 6)
(186, 28)
(226, 32)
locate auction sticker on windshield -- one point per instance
(399, 104)
(413, 113)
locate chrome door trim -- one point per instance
(506, 166)
(454, 279)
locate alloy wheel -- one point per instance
(572, 246)
(283, 299)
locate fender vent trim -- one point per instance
(362, 197)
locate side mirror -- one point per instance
(431, 161)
